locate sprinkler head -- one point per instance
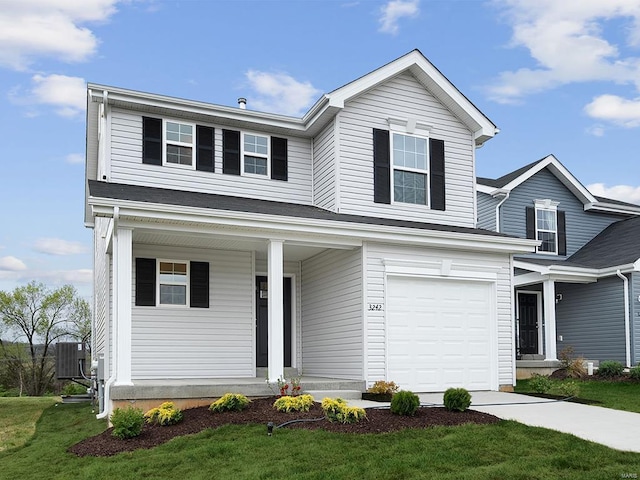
(269, 428)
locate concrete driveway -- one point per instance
(613, 428)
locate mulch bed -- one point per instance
(261, 411)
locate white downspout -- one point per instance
(498, 210)
(112, 378)
(627, 330)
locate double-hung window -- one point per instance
(173, 282)
(179, 141)
(547, 226)
(255, 154)
(410, 169)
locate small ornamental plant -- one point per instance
(127, 422)
(540, 383)
(458, 399)
(634, 372)
(573, 367)
(230, 402)
(405, 403)
(610, 368)
(568, 389)
(300, 403)
(337, 410)
(165, 414)
(383, 387)
(289, 387)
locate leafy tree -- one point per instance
(36, 317)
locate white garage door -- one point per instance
(438, 334)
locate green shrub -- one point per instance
(610, 368)
(405, 403)
(301, 403)
(634, 372)
(127, 422)
(165, 414)
(74, 389)
(457, 399)
(568, 389)
(540, 383)
(230, 402)
(337, 410)
(383, 387)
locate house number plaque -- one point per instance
(375, 307)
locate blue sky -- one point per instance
(556, 77)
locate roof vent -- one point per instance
(242, 103)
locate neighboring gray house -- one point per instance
(582, 287)
(233, 245)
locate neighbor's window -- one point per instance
(172, 283)
(179, 143)
(410, 170)
(547, 229)
(256, 154)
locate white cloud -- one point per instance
(75, 158)
(566, 40)
(393, 11)
(596, 130)
(11, 264)
(616, 110)
(32, 29)
(625, 193)
(57, 246)
(280, 93)
(67, 95)
(49, 277)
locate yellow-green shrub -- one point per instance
(337, 410)
(383, 387)
(165, 414)
(230, 402)
(300, 403)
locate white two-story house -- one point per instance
(233, 245)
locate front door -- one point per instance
(528, 322)
(262, 322)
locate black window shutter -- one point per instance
(152, 141)
(531, 222)
(146, 282)
(381, 167)
(204, 148)
(231, 152)
(279, 161)
(199, 283)
(562, 233)
(436, 172)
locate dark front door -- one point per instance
(528, 321)
(262, 322)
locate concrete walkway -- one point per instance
(613, 428)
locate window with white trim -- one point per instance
(255, 154)
(547, 226)
(179, 143)
(173, 282)
(409, 160)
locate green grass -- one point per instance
(506, 450)
(618, 395)
(18, 417)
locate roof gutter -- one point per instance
(627, 330)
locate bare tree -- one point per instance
(36, 317)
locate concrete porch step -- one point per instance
(318, 395)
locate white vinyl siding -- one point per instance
(215, 342)
(127, 167)
(375, 294)
(324, 169)
(101, 288)
(404, 97)
(332, 335)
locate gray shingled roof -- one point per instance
(503, 180)
(165, 196)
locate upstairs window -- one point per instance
(410, 169)
(173, 282)
(547, 224)
(179, 143)
(547, 230)
(256, 154)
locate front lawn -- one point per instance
(504, 450)
(618, 395)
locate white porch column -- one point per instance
(275, 271)
(122, 292)
(549, 293)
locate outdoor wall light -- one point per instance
(558, 297)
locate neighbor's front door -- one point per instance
(528, 322)
(262, 322)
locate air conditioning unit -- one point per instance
(70, 360)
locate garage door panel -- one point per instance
(439, 339)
